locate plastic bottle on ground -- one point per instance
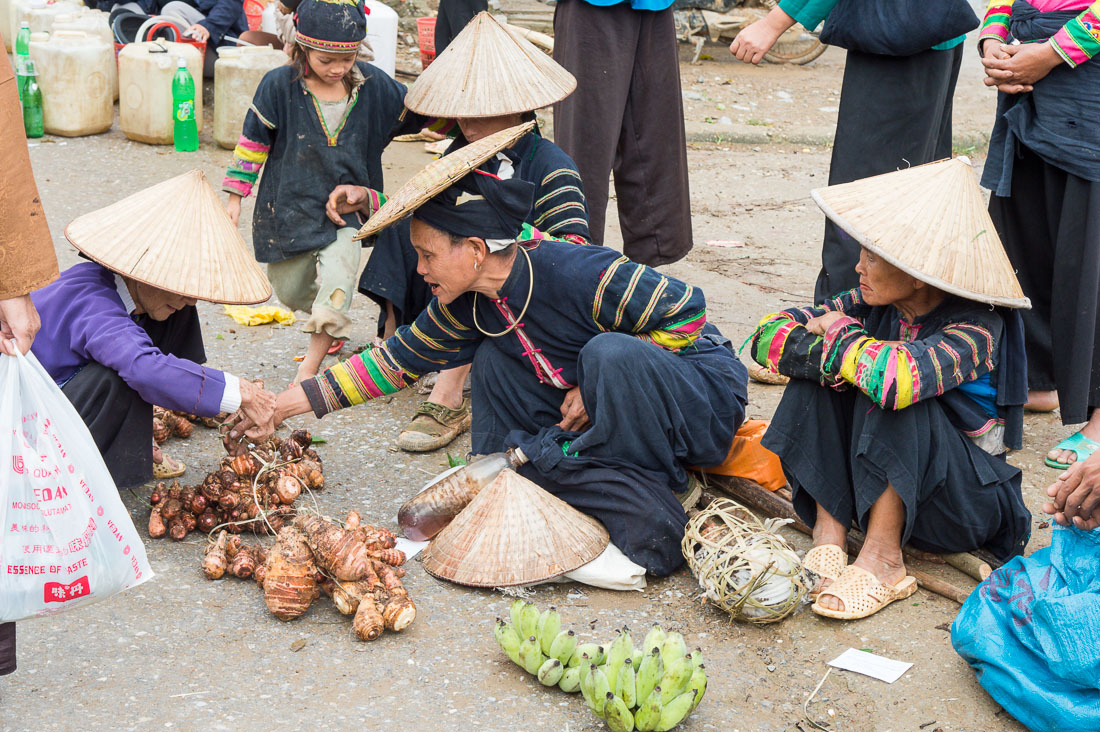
(22, 55)
(32, 104)
(185, 128)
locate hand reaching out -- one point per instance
(757, 39)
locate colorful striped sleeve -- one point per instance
(1079, 40)
(253, 147)
(560, 208)
(633, 298)
(435, 339)
(995, 24)
(896, 375)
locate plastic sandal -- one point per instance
(863, 594)
(824, 562)
(335, 347)
(763, 375)
(164, 469)
(1076, 443)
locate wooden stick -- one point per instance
(775, 504)
(543, 41)
(969, 564)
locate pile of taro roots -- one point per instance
(167, 423)
(254, 490)
(355, 564)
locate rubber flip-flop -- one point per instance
(335, 347)
(1076, 443)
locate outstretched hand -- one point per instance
(344, 199)
(255, 419)
(1076, 495)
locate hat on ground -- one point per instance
(931, 222)
(175, 236)
(337, 26)
(438, 176)
(488, 71)
(514, 533)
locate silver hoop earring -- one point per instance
(477, 266)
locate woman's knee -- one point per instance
(615, 351)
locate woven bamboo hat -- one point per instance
(175, 236)
(929, 221)
(489, 70)
(514, 533)
(438, 176)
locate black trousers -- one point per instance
(626, 116)
(121, 422)
(840, 450)
(7, 648)
(895, 111)
(1050, 227)
(652, 412)
(453, 17)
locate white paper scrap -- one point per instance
(868, 664)
(411, 548)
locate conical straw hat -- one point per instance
(175, 236)
(438, 175)
(931, 222)
(489, 71)
(514, 533)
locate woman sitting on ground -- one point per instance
(904, 393)
(604, 372)
(121, 333)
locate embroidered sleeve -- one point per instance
(995, 25)
(1079, 40)
(257, 137)
(560, 207)
(434, 340)
(633, 298)
(781, 343)
(895, 375)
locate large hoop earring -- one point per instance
(477, 266)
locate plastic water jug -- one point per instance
(382, 35)
(95, 24)
(74, 74)
(145, 72)
(237, 73)
(38, 14)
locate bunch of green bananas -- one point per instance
(654, 687)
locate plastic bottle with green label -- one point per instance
(185, 129)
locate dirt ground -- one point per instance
(180, 652)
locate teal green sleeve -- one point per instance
(809, 13)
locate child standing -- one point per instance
(319, 122)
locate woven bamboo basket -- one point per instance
(742, 565)
(437, 176)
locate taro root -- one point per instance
(177, 531)
(288, 575)
(368, 622)
(233, 546)
(198, 504)
(287, 488)
(171, 509)
(189, 520)
(335, 549)
(302, 437)
(157, 529)
(244, 563)
(214, 562)
(244, 465)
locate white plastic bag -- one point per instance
(65, 537)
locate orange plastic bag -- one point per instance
(749, 459)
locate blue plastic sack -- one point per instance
(1032, 633)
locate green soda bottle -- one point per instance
(185, 131)
(22, 56)
(32, 104)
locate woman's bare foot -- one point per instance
(1091, 430)
(1041, 401)
(885, 563)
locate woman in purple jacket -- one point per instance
(119, 337)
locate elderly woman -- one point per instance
(603, 371)
(118, 338)
(904, 393)
(390, 277)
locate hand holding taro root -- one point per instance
(355, 564)
(255, 419)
